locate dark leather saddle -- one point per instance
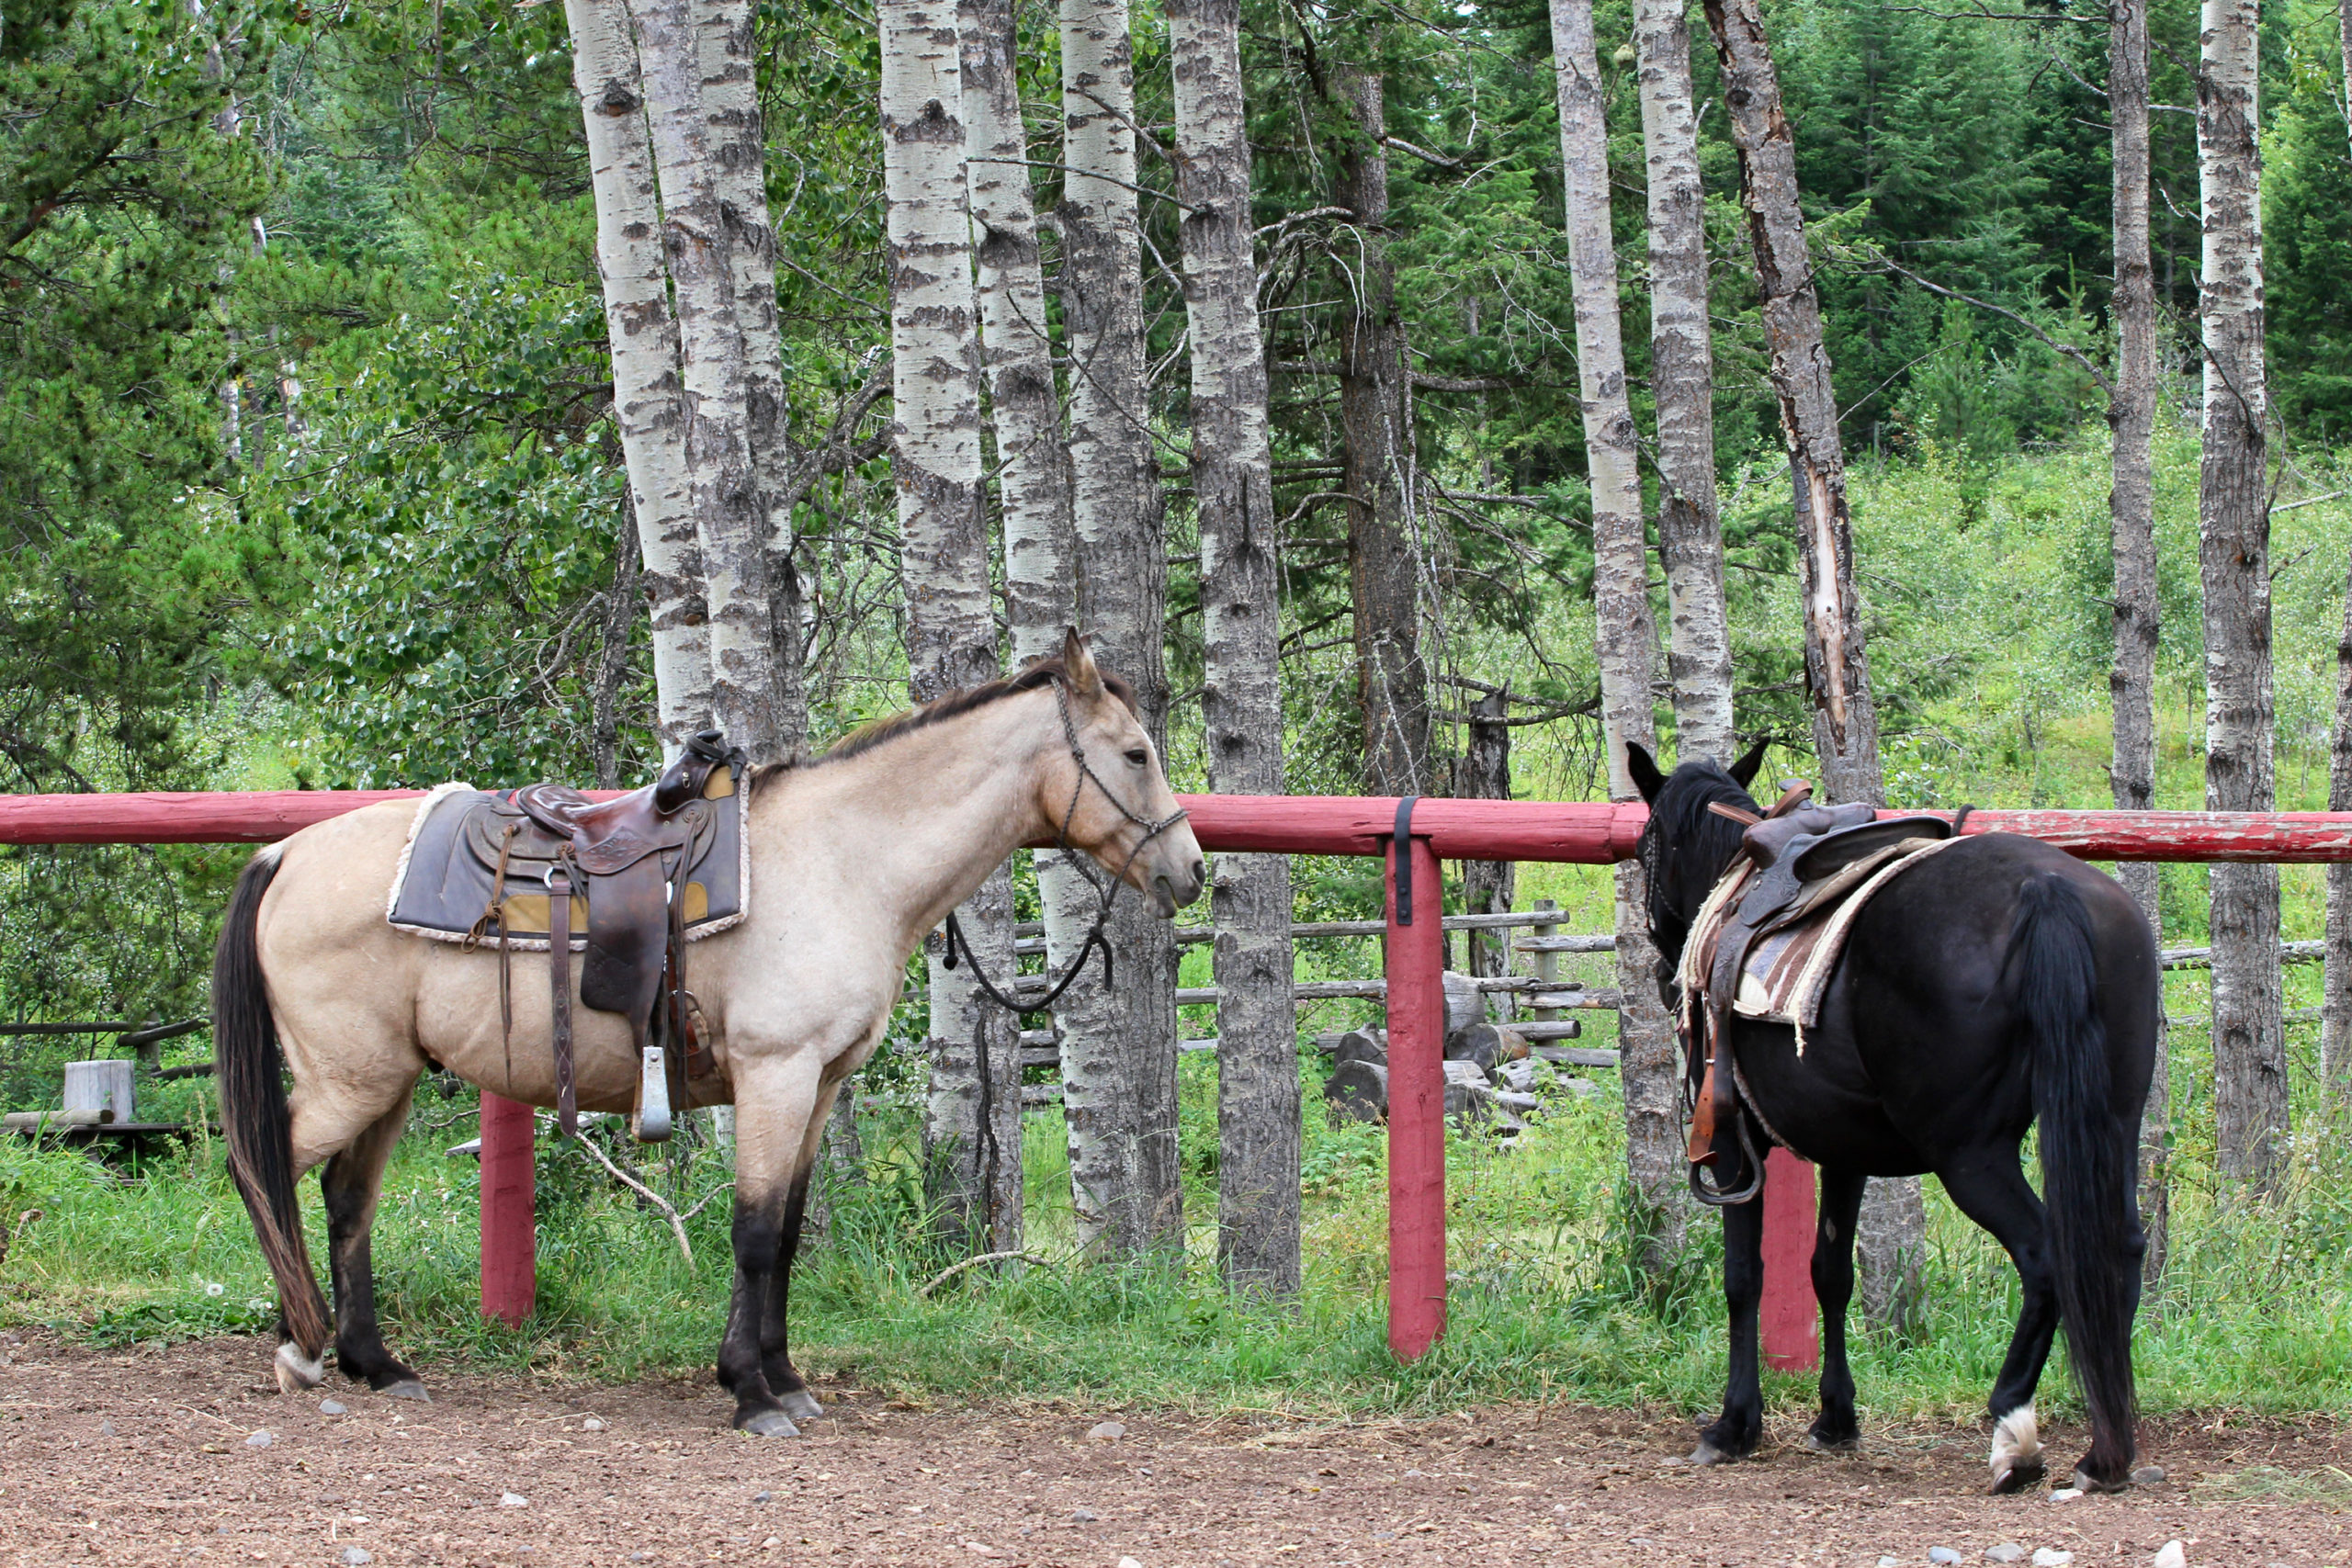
(1795, 862)
(623, 879)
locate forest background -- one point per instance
(310, 475)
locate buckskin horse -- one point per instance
(1989, 987)
(852, 859)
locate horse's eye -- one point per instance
(1138, 757)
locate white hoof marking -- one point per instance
(296, 1371)
(2017, 1440)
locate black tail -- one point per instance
(2086, 1164)
(248, 1068)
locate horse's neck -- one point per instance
(920, 821)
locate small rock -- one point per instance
(354, 1557)
(773, 1541)
(1083, 1515)
(1129, 1563)
(592, 1425)
(2050, 1557)
(106, 1428)
(979, 1548)
(1413, 1474)
(1107, 1432)
(2065, 1494)
(640, 1557)
(1889, 1563)
(763, 1496)
(2148, 1475)
(1944, 1554)
(333, 1407)
(2169, 1555)
(513, 1500)
(2008, 1551)
(259, 1441)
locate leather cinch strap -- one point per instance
(560, 978)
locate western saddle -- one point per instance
(617, 869)
(1797, 863)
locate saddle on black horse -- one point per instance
(1767, 939)
(628, 881)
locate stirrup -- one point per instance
(653, 1097)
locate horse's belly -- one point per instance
(459, 1025)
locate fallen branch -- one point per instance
(677, 1223)
(949, 1273)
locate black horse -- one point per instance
(1996, 982)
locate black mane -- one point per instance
(1686, 847)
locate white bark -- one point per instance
(1232, 484)
(1689, 536)
(648, 402)
(972, 1115)
(673, 41)
(2234, 551)
(1622, 632)
(1118, 1051)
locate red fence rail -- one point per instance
(1580, 833)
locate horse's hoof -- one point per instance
(767, 1424)
(407, 1388)
(1707, 1453)
(296, 1371)
(2083, 1483)
(801, 1405)
(1822, 1445)
(2017, 1477)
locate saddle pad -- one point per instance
(1788, 965)
(442, 884)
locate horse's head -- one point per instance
(1104, 791)
(1685, 848)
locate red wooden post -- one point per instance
(1415, 965)
(510, 1275)
(1790, 1323)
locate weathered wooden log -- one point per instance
(34, 1121)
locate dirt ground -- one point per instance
(147, 1458)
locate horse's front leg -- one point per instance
(775, 1357)
(775, 1101)
(1734, 1434)
(1833, 1286)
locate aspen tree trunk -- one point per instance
(1624, 636)
(1375, 413)
(972, 1112)
(1689, 536)
(1232, 484)
(2132, 413)
(1118, 1050)
(2336, 1011)
(1488, 885)
(739, 149)
(730, 522)
(1891, 1234)
(1844, 720)
(1016, 357)
(2233, 553)
(648, 404)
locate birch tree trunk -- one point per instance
(1232, 484)
(1624, 636)
(1118, 1051)
(1375, 412)
(972, 1112)
(1689, 536)
(2335, 1009)
(648, 404)
(739, 149)
(2132, 413)
(2233, 553)
(730, 523)
(1844, 720)
(1016, 358)
(1890, 1234)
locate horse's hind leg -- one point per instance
(351, 1182)
(1833, 1287)
(1987, 1186)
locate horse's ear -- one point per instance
(1743, 772)
(1085, 680)
(1643, 767)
